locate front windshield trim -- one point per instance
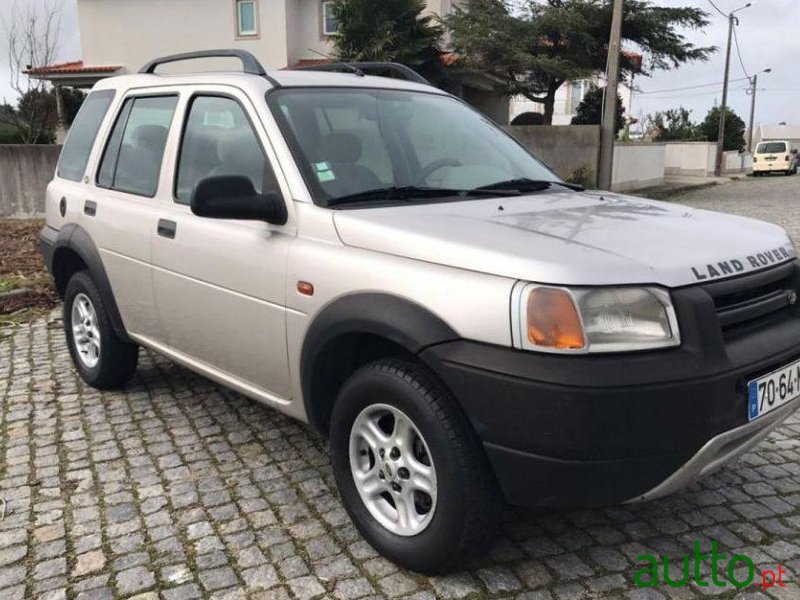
(318, 195)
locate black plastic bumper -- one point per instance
(602, 429)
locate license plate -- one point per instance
(773, 390)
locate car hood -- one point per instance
(571, 238)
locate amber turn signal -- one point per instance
(305, 288)
(553, 320)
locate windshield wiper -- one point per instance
(525, 184)
(411, 192)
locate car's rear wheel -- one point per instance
(410, 470)
(103, 359)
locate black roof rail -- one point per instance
(250, 63)
(404, 71)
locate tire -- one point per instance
(103, 360)
(445, 527)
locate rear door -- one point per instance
(119, 207)
(220, 285)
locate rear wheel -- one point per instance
(410, 470)
(103, 359)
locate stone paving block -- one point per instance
(178, 487)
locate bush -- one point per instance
(528, 118)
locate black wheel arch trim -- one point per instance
(75, 238)
(409, 325)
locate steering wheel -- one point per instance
(434, 166)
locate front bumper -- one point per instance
(604, 429)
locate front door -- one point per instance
(220, 285)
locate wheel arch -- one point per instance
(354, 330)
(75, 251)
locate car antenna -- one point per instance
(353, 69)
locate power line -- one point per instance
(690, 87)
(739, 52)
(717, 9)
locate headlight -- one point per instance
(601, 319)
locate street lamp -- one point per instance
(723, 107)
(752, 92)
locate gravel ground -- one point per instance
(177, 488)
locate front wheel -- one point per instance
(410, 470)
(103, 359)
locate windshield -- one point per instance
(771, 147)
(349, 141)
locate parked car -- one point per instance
(372, 256)
(775, 156)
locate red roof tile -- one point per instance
(75, 66)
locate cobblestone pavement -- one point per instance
(176, 488)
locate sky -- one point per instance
(768, 34)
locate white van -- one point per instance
(775, 156)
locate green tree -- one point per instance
(590, 110)
(734, 129)
(35, 117)
(674, 124)
(536, 48)
(390, 30)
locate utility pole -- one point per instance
(723, 109)
(608, 127)
(752, 91)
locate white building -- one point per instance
(119, 36)
(567, 99)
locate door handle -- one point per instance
(167, 228)
(90, 208)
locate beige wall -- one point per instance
(304, 27)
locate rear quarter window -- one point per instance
(82, 134)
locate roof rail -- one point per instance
(250, 63)
(404, 71)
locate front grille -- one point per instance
(751, 298)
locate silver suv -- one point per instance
(370, 255)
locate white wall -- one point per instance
(131, 32)
(736, 162)
(637, 166)
(694, 159)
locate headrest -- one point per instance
(237, 144)
(151, 137)
(340, 148)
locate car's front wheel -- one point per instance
(410, 470)
(103, 359)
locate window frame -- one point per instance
(187, 113)
(95, 139)
(110, 133)
(324, 21)
(240, 33)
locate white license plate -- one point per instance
(773, 390)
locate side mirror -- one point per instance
(233, 197)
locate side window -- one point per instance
(80, 140)
(218, 139)
(132, 158)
